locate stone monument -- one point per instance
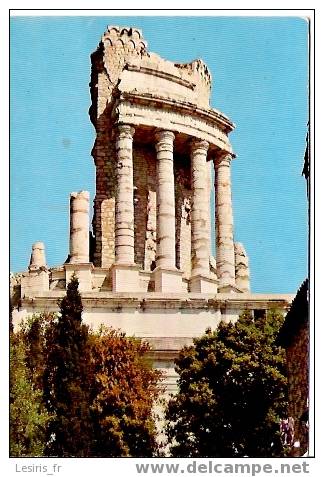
(151, 272)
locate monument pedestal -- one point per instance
(203, 284)
(167, 280)
(83, 274)
(34, 282)
(125, 277)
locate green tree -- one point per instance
(232, 392)
(124, 391)
(28, 416)
(33, 332)
(67, 378)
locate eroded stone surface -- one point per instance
(37, 257)
(242, 271)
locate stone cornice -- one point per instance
(161, 74)
(184, 107)
(143, 302)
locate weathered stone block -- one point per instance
(167, 281)
(35, 282)
(83, 272)
(203, 284)
(125, 278)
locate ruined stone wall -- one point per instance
(144, 161)
(150, 234)
(183, 202)
(104, 203)
(115, 49)
(103, 152)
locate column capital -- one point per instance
(125, 131)
(164, 135)
(196, 143)
(223, 158)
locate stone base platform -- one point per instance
(168, 321)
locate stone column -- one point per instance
(125, 276)
(79, 241)
(124, 225)
(79, 227)
(167, 277)
(37, 279)
(201, 280)
(37, 257)
(225, 257)
(208, 172)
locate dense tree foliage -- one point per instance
(124, 390)
(232, 392)
(28, 417)
(99, 388)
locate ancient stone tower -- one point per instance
(157, 138)
(150, 271)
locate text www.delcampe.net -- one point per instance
(211, 467)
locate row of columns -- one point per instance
(125, 273)
(167, 277)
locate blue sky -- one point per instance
(259, 68)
